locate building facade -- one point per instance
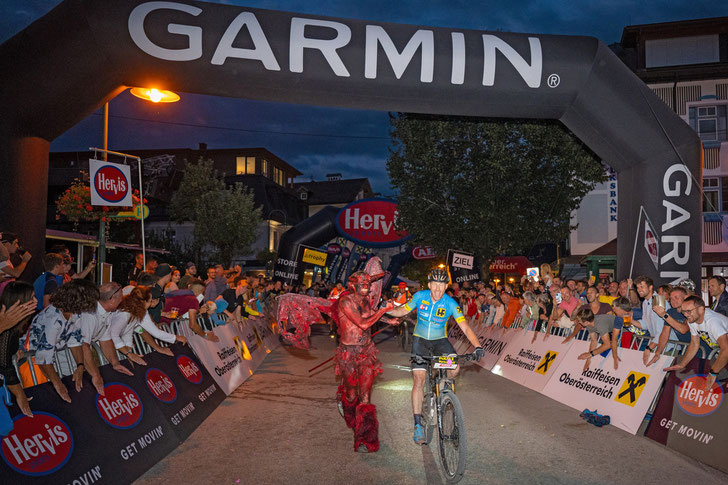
(685, 64)
(269, 177)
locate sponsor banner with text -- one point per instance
(625, 394)
(458, 339)
(139, 420)
(532, 362)
(690, 419)
(494, 340)
(237, 354)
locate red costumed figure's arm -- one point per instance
(300, 312)
(351, 311)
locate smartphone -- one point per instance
(558, 298)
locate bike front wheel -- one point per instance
(453, 447)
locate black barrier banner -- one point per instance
(112, 438)
(690, 419)
(462, 266)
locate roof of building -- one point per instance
(189, 154)
(335, 191)
(632, 33)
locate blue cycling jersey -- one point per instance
(432, 316)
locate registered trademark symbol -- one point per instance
(553, 80)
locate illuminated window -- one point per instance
(244, 165)
(264, 167)
(278, 175)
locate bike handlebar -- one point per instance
(463, 357)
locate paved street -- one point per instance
(282, 426)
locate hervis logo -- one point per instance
(189, 369)
(546, 361)
(37, 446)
(161, 385)
(692, 398)
(633, 386)
(121, 407)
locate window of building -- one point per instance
(304, 195)
(244, 165)
(278, 175)
(724, 194)
(682, 51)
(709, 122)
(710, 195)
(264, 167)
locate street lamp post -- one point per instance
(156, 96)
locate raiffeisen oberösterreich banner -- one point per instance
(625, 394)
(531, 360)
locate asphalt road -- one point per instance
(282, 426)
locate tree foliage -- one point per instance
(225, 218)
(487, 186)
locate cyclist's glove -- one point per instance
(478, 353)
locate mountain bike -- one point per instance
(441, 408)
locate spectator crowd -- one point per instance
(64, 310)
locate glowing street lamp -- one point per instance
(155, 95)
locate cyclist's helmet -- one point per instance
(438, 275)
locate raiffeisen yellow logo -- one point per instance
(545, 364)
(633, 386)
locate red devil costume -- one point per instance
(356, 357)
(356, 361)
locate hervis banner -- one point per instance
(110, 183)
(532, 362)
(112, 438)
(625, 394)
(690, 419)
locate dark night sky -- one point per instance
(319, 140)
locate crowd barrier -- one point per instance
(546, 364)
(115, 438)
(684, 416)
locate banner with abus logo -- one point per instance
(624, 393)
(690, 419)
(110, 183)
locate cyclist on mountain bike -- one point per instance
(434, 308)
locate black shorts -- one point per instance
(422, 346)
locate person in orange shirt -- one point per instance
(512, 308)
(336, 291)
(402, 295)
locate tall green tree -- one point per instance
(487, 186)
(224, 217)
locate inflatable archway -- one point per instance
(83, 53)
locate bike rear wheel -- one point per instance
(453, 446)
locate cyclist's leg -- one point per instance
(419, 367)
